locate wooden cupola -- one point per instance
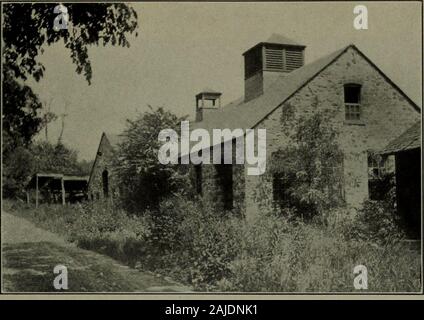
(206, 101)
(275, 56)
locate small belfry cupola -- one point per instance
(268, 60)
(207, 101)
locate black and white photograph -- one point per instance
(192, 148)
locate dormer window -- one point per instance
(352, 99)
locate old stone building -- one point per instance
(369, 111)
(101, 182)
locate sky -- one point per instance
(185, 47)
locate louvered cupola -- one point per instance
(268, 60)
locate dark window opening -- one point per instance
(352, 100)
(198, 177)
(225, 182)
(105, 180)
(379, 180)
(280, 190)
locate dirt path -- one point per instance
(29, 255)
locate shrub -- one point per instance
(191, 242)
(376, 221)
(210, 243)
(143, 181)
(306, 172)
(165, 221)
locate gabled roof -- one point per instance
(280, 39)
(277, 39)
(209, 90)
(410, 139)
(247, 115)
(114, 139)
(241, 114)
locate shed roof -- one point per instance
(48, 178)
(408, 140)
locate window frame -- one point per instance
(377, 167)
(353, 110)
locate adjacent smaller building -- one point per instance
(56, 188)
(407, 151)
(101, 182)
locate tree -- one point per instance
(15, 175)
(143, 181)
(20, 119)
(57, 158)
(307, 172)
(39, 157)
(28, 28)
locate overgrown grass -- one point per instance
(94, 226)
(214, 253)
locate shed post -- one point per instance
(36, 190)
(62, 182)
(27, 197)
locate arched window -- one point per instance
(105, 181)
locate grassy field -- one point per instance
(213, 253)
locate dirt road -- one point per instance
(29, 255)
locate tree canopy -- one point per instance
(143, 181)
(28, 28)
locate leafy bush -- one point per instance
(377, 221)
(190, 241)
(164, 222)
(306, 172)
(143, 181)
(210, 243)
